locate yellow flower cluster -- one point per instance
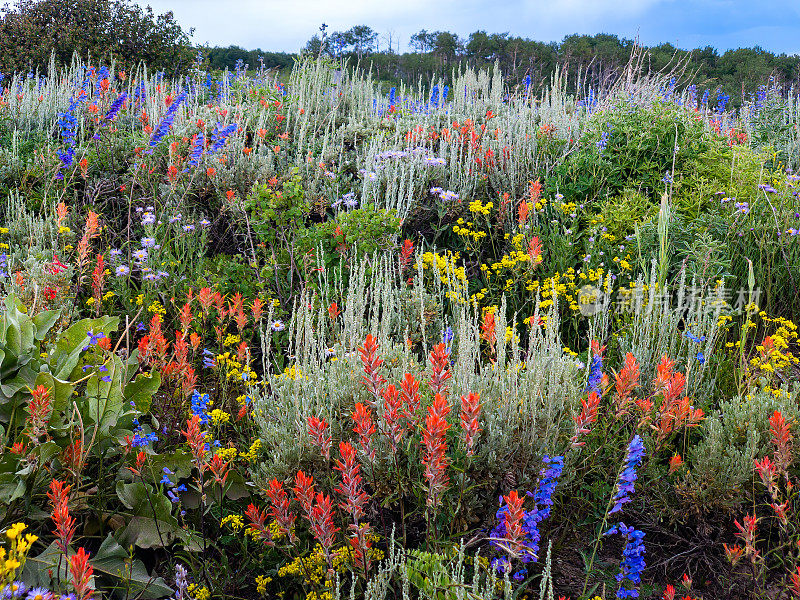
(13, 558)
(198, 592)
(219, 417)
(293, 373)
(450, 275)
(261, 584)
(156, 308)
(231, 339)
(313, 568)
(568, 208)
(227, 454)
(776, 357)
(477, 207)
(468, 233)
(235, 522)
(253, 452)
(234, 369)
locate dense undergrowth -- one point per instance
(266, 340)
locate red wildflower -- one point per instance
(194, 438)
(535, 251)
(65, 524)
(734, 553)
(219, 468)
(38, 413)
(81, 572)
(334, 311)
(747, 533)
(364, 428)
(435, 449)
(625, 382)
(782, 440)
(409, 393)
(279, 509)
(304, 490)
(440, 362)
(590, 406)
(257, 308)
(258, 523)
(522, 212)
(489, 330)
(320, 517)
(406, 252)
(320, 435)
(372, 379)
(470, 413)
(675, 463)
(392, 413)
(351, 489)
(514, 515)
(767, 470)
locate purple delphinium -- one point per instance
(115, 107)
(627, 476)
(219, 136)
(196, 153)
(166, 122)
(632, 560)
(595, 375)
(543, 498)
(68, 128)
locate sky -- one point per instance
(288, 24)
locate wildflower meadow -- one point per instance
(305, 336)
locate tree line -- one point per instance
(32, 30)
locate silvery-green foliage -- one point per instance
(657, 326)
(529, 392)
(443, 574)
(732, 436)
(30, 232)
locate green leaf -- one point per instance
(140, 391)
(130, 578)
(44, 321)
(60, 394)
(105, 404)
(71, 343)
(18, 330)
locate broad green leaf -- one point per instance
(140, 391)
(105, 397)
(44, 321)
(60, 394)
(19, 329)
(68, 349)
(129, 579)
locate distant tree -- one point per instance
(339, 42)
(102, 29)
(447, 45)
(313, 46)
(362, 38)
(423, 42)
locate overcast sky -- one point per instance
(287, 25)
